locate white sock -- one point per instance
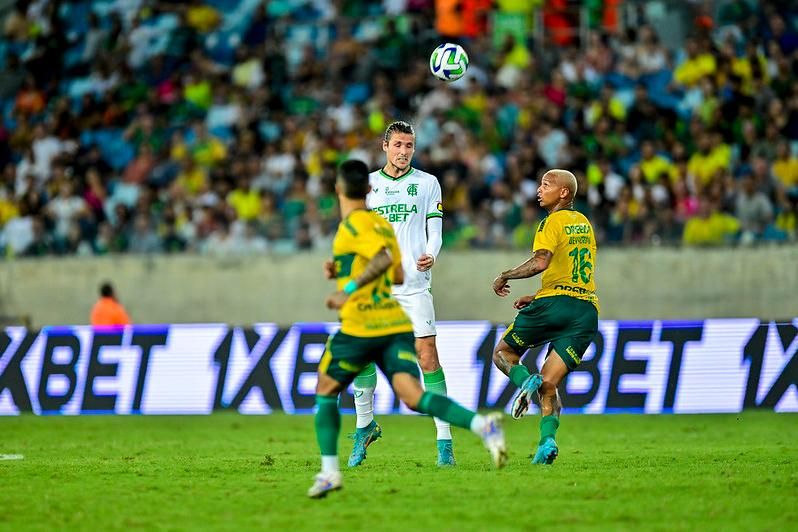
(444, 429)
(329, 464)
(477, 424)
(364, 406)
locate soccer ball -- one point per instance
(448, 62)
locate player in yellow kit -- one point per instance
(374, 328)
(564, 312)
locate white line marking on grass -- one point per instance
(12, 457)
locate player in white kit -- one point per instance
(411, 201)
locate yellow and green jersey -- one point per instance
(570, 237)
(371, 310)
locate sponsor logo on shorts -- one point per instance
(517, 340)
(572, 353)
(407, 355)
(349, 367)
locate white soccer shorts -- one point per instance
(421, 311)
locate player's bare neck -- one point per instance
(562, 206)
(348, 206)
(394, 171)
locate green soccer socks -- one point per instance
(548, 427)
(518, 374)
(328, 424)
(444, 408)
(435, 382)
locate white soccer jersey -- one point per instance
(407, 202)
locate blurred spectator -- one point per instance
(202, 17)
(143, 238)
(42, 243)
(711, 227)
(699, 63)
(754, 211)
(244, 200)
(785, 169)
(203, 127)
(67, 207)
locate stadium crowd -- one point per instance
(216, 126)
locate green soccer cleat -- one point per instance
(546, 453)
(363, 438)
(324, 483)
(445, 453)
(524, 398)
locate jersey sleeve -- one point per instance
(548, 235)
(370, 196)
(434, 205)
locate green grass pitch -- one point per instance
(231, 472)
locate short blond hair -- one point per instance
(564, 179)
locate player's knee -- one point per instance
(410, 398)
(407, 389)
(412, 404)
(500, 359)
(495, 357)
(326, 385)
(547, 389)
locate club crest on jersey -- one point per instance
(412, 190)
(440, 207)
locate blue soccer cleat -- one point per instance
(363, 438)
(445, 453)
(546, 453)
(524, 398)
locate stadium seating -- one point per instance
(191, 102)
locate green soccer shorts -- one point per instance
(345, 355)
(570, 325)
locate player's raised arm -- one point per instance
(529, 268)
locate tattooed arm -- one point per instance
(531, 267)
(376, 267)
